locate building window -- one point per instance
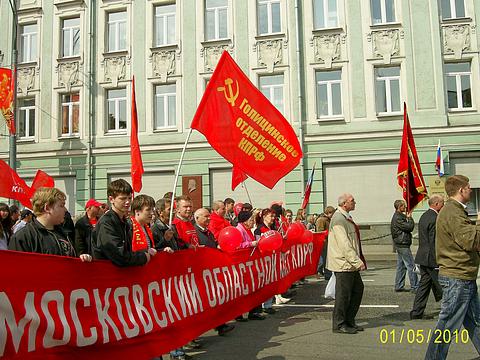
(216, 19)
(70, 113)
(387, 90)
(269, 19)
(26, 118)
(329, 93)
(28, 43)
(117, 110)
(452, 9)
(164, 25)
(117, 31)
(325, 14)
(71, 37)
(383, 11)
(272, 87)
(165, 106)
(458, 79)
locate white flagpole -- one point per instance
(248, 195)
(176, 176)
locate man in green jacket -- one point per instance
(457, 246)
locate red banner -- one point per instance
(75, 310)
(409, 173)
(42, 179)
(243, 126)
(135, 154)
(13, 186)
(6, 98)
(237, 177)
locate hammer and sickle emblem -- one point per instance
(228, 91)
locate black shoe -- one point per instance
(358, 328)
(241, 319)
(193, 345)
(269, 311)
(225, 328)
(345, 330)
(256, 316)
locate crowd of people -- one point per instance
(130, 231)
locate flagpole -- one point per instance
(246, 190)
(177, 174)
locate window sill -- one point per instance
(389, 115)
(165, 47)
(28, 63)
(271, 36)
(25, 140)
(224, 41)
(69, 58)
(462, 111)
(69, 137)
(459, 20)
(386, 25)
(328, 30)
(115, 53)
(165, 130)
(330, 119)
(115, 133)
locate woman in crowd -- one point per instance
(6, 224)
(164, 236)
(301, 216)
(245, 225)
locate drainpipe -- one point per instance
(91, 94)
(301, 88)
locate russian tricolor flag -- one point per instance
(308, 189)
(439, 161)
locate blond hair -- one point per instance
(46, 196)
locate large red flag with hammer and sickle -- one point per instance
(243, 126)
(13, 186)
(6, 98)
(409, 173)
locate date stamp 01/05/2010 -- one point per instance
(422, 336)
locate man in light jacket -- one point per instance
(345, 258)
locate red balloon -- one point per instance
(229, 239)
(307, 237)
(270, 241)
(295, 231)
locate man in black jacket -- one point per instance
(84, 227)
(426, 258)
(401, 227)
(112, 238)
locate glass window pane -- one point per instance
(276, 21)
(318, 14)
(160, 115)
(328, 75)
(376, 11)
(31, 124)
(446, 12)
(395, 94)
(322, 100)
(76, 42)
(388, 71)
(159, 35)
(460, 8)
(390, 9)
(65, 119)
(111, 115)
(210, 25)
(466, 92)
(278, 98)
(117, 16)
(215, 3)
(332, 13)
(165, 9)
(33, 47)
(123, 114)
(122, 28)
(336, 99)
(66, 42)
(380, 96)
(452, 92)
(262, 19)
(22, 123)
(457, 67)
(171, 29)
(111, 37)
(223, 23)
(171, 111)
(75, 118)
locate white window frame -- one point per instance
(116, 24)
(28, 39)
(70, 106)
(329, 84)
(269, 15)
(216, 16)
(165, 25)
(388, 91)
(458, 82)
(27, 110)
(117, 101)
(325, 13)
(383, 12)
(71, 31)
(271, 90)
(453, 11)
(166, 97)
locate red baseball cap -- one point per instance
(92, 202)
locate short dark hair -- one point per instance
(14, 209)
(455, 183)
(168, 195)
(161, 205)
(277, 208)
(117, 187)
(398, 203)
(228, 201)
(141, 201)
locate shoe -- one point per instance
(225, 328)
(193, 345)
(358, 328)
(345, 330)
(401, 290)
(279, 300)
(256, 316)
(270, 311)
(241, 319)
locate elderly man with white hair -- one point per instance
(345, 258)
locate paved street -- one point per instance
(302, 330)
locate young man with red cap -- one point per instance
(85, 226)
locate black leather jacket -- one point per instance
(401, 228)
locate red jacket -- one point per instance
(217, 223)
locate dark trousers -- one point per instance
(428, 280)
(348, 297)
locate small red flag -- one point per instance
(308, 189)
(13, 186)
(237, 177)
(409, 173)
(243, 126)
(136, 155)
(6, 98)
(42, 179)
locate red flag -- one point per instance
(136, 155)
(42, 179)
(409, 173)
(6, 98)
(244, 127)
(237, 177)
(13, 186)
(308, 189)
